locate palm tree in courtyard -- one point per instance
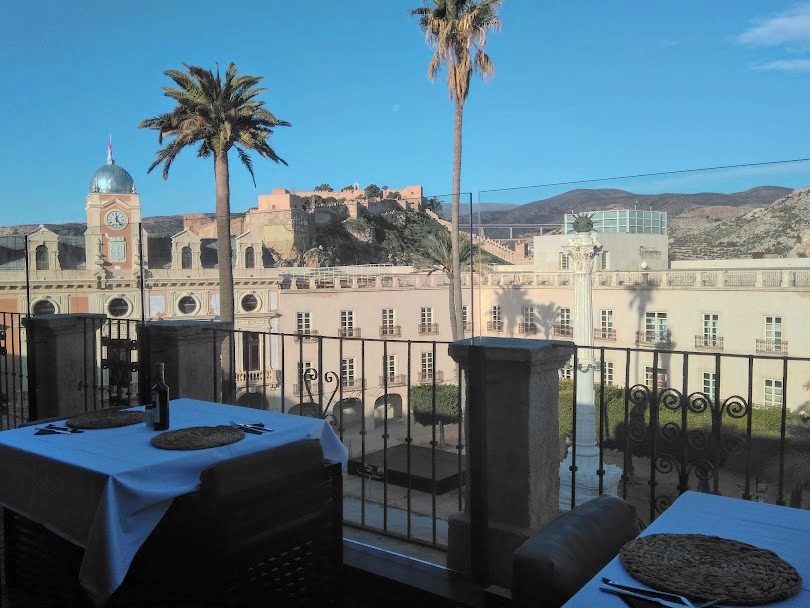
(435, 255)
(214, 115)
(457, 31)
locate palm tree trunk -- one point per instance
(223, 213)
(457, 318)
(451, 292)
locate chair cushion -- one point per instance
(560, 558)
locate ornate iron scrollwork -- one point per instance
(686, 452)
(311, 375)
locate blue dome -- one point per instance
(112, 179)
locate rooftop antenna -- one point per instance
(110, 160)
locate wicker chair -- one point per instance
(264, 528)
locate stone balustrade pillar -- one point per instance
(192, 353)
(62, 363)
(513, 450)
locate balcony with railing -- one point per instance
(428, 329)
(495, 326)
(772, 347)
(393, 380)
(430, 376)
(654, 339)
(390, 331)
(562, 331)
(708, 342)
(308, 335)
(349, 332)
(606, 334)
(527, 329)
(411, 505)
(257, 377)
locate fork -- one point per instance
(246, 429)
(653, 595)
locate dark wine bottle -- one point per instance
(160, 399)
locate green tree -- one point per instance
(216, 115)
(435, 254)
(448, 407)
(324, 188)
(435, 205)
(457, 31)
(372, 191)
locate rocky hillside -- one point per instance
(781, 229)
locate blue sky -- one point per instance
(583, 90)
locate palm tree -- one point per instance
(436, 255)
(457, 30)
(215, 115)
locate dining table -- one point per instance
(783, 530)
(105, 490)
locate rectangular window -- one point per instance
(427, 365)
(711, 326)
(496, 313)
(427, 316)
(661, 381)
(655, 327)
(564, 265)
(302, 322)
(565, 318)
(390, 366)
(347, 372)
(528, 314)
(772, 393)
(607, 367)
(773, 329)
(250, 351)
(303, 368)
(567, 372)
(464, 311)
(606, 323)
(605, 260)
(709, 383)
(347, 319)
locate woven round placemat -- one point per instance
(197, 438)
(105, 419)
(709, 567)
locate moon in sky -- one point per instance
(396, 107)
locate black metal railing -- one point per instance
(709, 342)
(14, 393)
(527, 328)
(562, 331)
(309, 335)
(607, 334)
(494, 325)
(657, 339)
(683, 420)
(772, 347)
(426, 329)
(390, 331)
(349, 332)
(406, 463)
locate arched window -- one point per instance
(250, 258)
(185, 257)
(42, 257)
(187, 305)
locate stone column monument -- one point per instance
(581, 250)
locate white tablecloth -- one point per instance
(784, 530)
(106, 490)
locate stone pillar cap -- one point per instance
(58, 320)
(513, 349)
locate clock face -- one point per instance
(116, 220)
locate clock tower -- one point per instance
(113, 215)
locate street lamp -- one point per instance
(582, 248)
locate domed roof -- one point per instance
(112, 179)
